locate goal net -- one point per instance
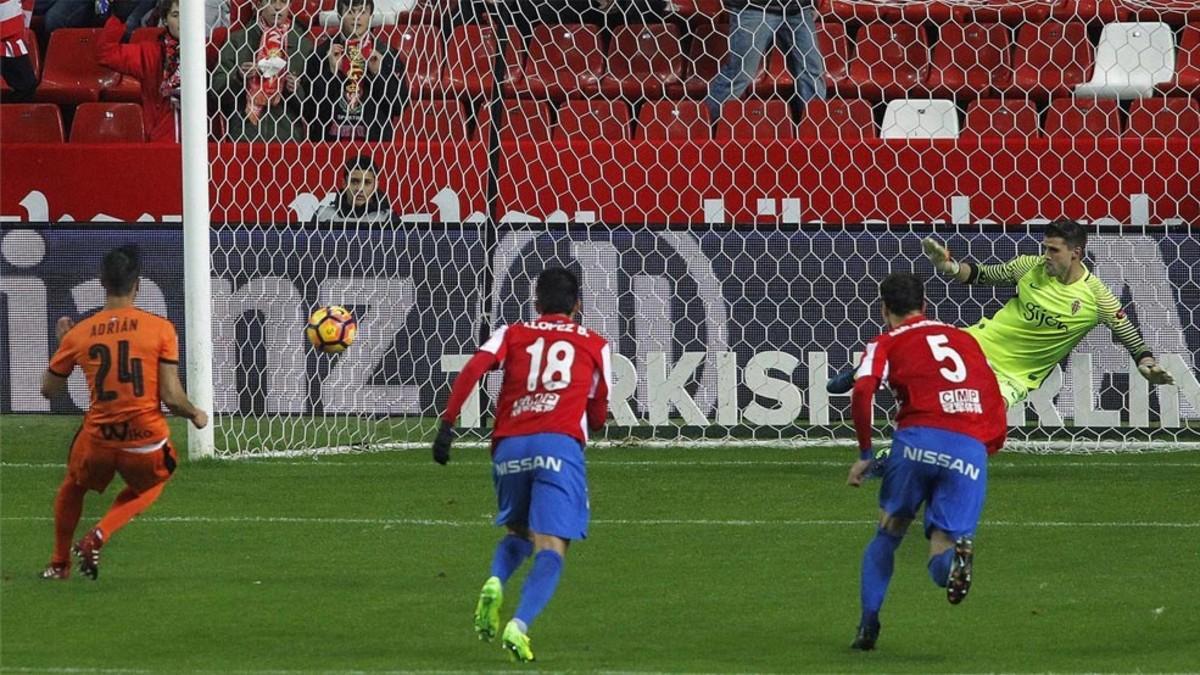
(731, 184)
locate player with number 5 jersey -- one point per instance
(951, 418)
(557, 378)
(131, 360)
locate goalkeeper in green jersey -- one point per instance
(1058, 302)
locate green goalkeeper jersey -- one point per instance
(1044, 321)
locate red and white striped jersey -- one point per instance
(14, 19)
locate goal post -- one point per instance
(730, 250)
(197, 258)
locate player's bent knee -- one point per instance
(896, 526)
(549, 542)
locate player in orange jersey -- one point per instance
(131, 360)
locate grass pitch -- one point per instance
(726, 560)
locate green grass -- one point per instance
(698, 560)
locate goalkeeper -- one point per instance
(1058, 302)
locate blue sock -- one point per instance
(539, 586)
(510, 553)
(878, 561)
(939, 567)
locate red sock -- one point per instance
(68, 506)
(127, 505)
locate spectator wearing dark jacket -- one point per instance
(359, 199)
(356, 85)
(155, 63)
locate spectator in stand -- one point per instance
(16, 67)
(523, 14)
(155, 63)
(754, 25)
(356, 85)
(259, 70)
(216, 15)
(360, 199)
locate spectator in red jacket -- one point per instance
(16, 66)
(156, 64)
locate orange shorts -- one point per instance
(93, 464)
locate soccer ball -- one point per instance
(331, 329)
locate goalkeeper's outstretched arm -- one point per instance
(1004, 274)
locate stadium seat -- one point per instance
(469, 59)
(72, 74)
(108, 123)
(752, 118)
(890, 60)
(1008, 11)
(434, 121)
(423, 52)
(1169, 117)
(1001, 118)
(919, 119)
(1083, 118)
(216, 40)
(837, 120)
(1050, 59)
(1131, 59)
(591, 120)
(35, 59)
(242, 12)
(523, 121)
(1174, 12)
(1187, 61)
(970, 60)
(1103, 11)
(565, 61)
(31, 123)
(709, 47)
(673, 120)
(645, 62)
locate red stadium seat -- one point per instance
(35, 58)
(434, 121)
(709, 47)
(1008, 11)
(837, 119)
(594, 119)
(891, 59)
(1169, 117)
(565, 61)
(747, 119)
(216, 40)
(1169, 11)
(422, 50)
(30, 123)
(1187, 60)
(1083, 118)
(971, 60)
(72, 74)
(645, 62)
(242, 12)
(523, 121)
(1052, 58)
(108, 123)
(1001, 118)
(674, 121)
(469, 59)
(1104, 11)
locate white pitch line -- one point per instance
(650, 522)
(653, 463)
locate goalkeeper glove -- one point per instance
(441, 444)
(939, 256)
(1154, 373)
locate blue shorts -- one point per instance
(541, 483)
(944, 470)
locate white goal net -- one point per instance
(730, 182)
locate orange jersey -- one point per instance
(119, 351)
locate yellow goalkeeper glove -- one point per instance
(939, 256)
